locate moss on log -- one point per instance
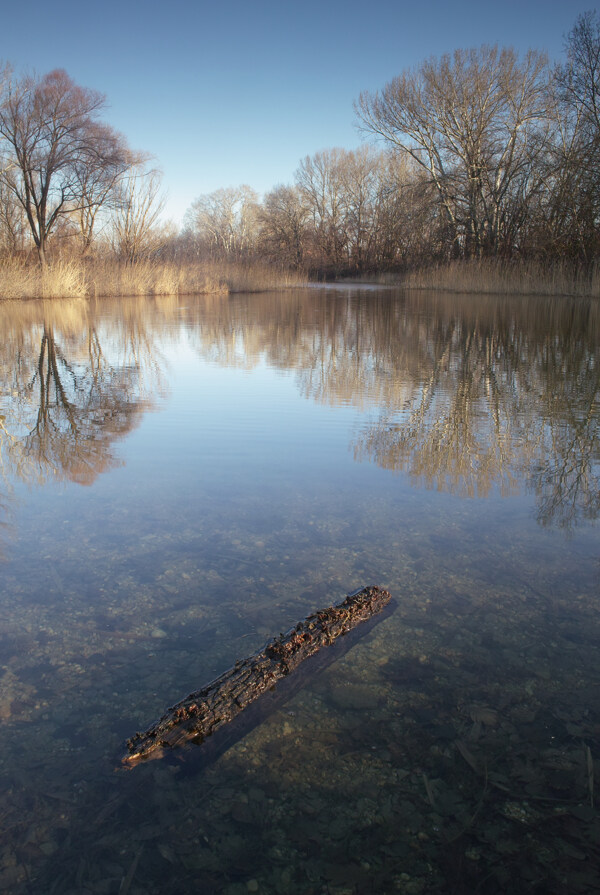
(200, 714)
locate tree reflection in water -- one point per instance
(464, 394)
(472, 393)
(498, 398)
(71, 391)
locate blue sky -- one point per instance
(225, 93)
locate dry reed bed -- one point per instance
(497, 278)
(71, 279)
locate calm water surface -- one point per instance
(182, 479)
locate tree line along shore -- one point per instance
(482, 174)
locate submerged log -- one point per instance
(205, 711)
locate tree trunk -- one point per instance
(42, 253)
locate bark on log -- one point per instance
(200, 714)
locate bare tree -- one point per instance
(471, 122)
(358, 207)
(283, 219)
(13, 223)
(572, 220)
(403, 214)
(138, 205)
(96, 185)
(224, 223)
(51, 136)
(358, 172)
(580, 76)
(319, 181)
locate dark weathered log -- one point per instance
(203, 712)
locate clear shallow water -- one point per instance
(183, 479)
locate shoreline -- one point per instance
(20, 281)
(494, 278)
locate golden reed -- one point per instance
(81, 279)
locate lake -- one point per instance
(185, 478)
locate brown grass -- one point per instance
(105, 278)
(498, 278)
(21, 280)
(72, 279)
